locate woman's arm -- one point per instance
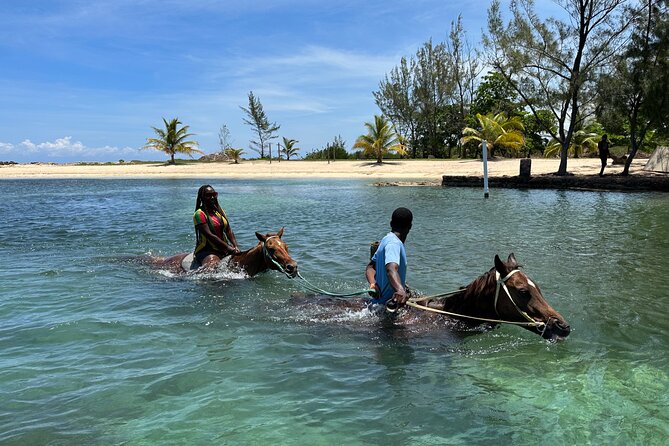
(220, 244)
(232, 238)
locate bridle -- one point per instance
(501, 283)
(269, 260)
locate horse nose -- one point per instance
(564, 326)
(291, 268)
(559, 327)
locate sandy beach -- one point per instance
(417, 170)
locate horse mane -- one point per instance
(469, 295)
(480, 285)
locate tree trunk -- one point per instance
(562, 170)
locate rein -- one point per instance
(314, 289)
(501, 283)
(307, 285)
(269, 260)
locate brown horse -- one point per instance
(502, 295)
(270, 253)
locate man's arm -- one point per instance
(400, 295)
(370, 274)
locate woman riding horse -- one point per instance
(213, 234)
(271, 252)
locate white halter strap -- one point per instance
(271, 259)
(501, 283)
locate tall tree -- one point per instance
(434, 89)
(257, 120)
(172, 140)
(224, 142)
(395, 98)
(428, 95)
(495, 95)
(634, 96)
(380, 139)
(465, 69)
(551, 63)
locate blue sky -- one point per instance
(85, 80)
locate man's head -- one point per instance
(401, 220)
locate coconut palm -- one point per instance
(498, 131)
(380, 139)
(289, 147)
(234, 154)
(581, 143)
(172, 140)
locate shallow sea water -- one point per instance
(96, 348)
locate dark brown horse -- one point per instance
(502, 295)
(270, 253)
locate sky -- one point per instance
(86, 80)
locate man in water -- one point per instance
(387, 270)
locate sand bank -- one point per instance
(419, 170)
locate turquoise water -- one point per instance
(95, 349)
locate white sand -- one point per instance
(420, 170)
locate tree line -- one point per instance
(550, 86)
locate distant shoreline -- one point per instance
(397, 170)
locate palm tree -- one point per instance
(289, 147)
(172, 140)
(234, 154)
(498, 131)
(581, 143)
(380, 139)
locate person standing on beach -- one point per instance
(387, 269)
(213, 234)
(603, 148)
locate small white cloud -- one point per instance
(6, 147)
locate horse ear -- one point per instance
(500, 266)
(260, 237)
(280, 233)
(511, 261)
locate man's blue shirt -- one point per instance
(391, 250)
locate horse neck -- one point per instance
(252, 260)
(476, 299)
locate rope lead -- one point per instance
(314, 289)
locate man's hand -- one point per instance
(375, 292)
(400, 296)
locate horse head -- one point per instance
(275, 252)
(518, 298)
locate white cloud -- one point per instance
(64, 149)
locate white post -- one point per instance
(485, 168)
